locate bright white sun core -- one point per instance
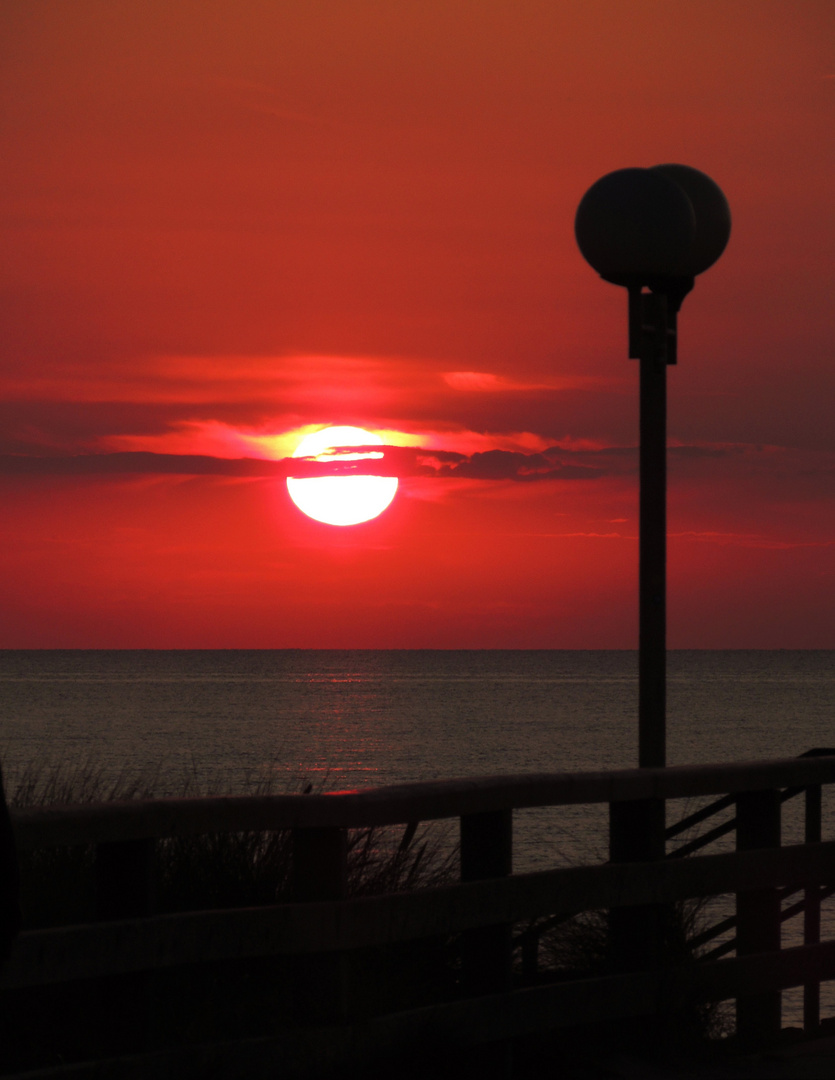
(340, 500)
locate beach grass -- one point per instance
(242, 998)
(213, 870)
(206, 1002)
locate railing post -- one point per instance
(320, 873)
(126, 889)
(758, 1016)
(487, 852)
(487, 951)
(637, 934)
(529, 945)
(125, 879)
(320, 864)
(812, 912)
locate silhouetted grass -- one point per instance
(212, 870)
(254, 996)
(205, 1002)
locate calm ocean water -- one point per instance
(364, 718)
(354, 719)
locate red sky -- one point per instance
(225, 224)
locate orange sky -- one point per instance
(224, 223)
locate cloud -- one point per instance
(754, 540)
(691, 451)
(512, 465)
(485, 382)
(558, 462)
(138, 462)
(400, 461)
(167, 403)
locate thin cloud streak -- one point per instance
(750, 540)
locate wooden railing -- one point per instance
(493, 1005)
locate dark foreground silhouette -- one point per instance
(9, 880)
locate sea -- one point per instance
(240, 721)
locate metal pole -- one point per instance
(655, 343)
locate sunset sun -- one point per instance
(341, 500)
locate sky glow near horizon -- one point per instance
(226, 227)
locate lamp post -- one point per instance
(652, 231)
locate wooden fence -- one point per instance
(495, 1002)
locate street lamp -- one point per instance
(652, 231)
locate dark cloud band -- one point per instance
(553, 463)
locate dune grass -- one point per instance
(204, 1003)
(213, 870)
(207, 1002)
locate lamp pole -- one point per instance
(652, 556)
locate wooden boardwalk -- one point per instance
(497, 1001)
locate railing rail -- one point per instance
(139, 819)
(94, 949)
(528, 939)
(483, 908)
(809, 905)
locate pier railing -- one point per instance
(493, 1002)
